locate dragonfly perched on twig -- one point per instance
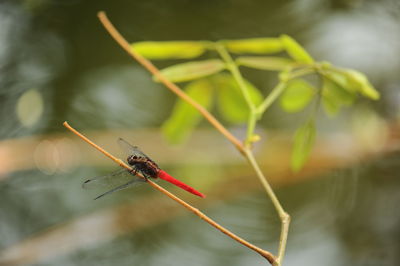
(141, 164)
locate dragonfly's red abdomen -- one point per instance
(165, 176)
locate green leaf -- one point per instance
(331, 107)
(231, 102)
(170, 49)
(192, 70)
(360, 82)
(264, 62)
(303, 142)
(295, 50)
(255, 46)
(185, 117)
(297, 94)
(341, 80)
(335, 96)
(352, 81)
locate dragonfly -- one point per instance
(141, 164)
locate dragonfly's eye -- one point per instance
(133, 159)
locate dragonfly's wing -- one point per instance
(121, 187)
(120, 179)
(116, 178)
(131, 150)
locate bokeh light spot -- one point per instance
(30, 107)
(44, 157)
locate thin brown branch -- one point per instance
(172, 86)
(269, 256)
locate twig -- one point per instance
(173, 87)
(271, 258)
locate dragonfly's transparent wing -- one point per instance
(119, 180)
(121, 187)
(116, 178)
(131, 150)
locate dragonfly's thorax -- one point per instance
(144, 165)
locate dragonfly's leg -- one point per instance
(145, 176)
(135, 172)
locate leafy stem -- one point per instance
(255, 114)
(280, 87)
(272, 97)
(274, 94)
(232, 67)
(302, 72)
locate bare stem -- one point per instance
(285, 219)
(271, 258)
(284, 216)
(250, 157)
(251, 125)
(172, 86)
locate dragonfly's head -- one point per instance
(132, 159)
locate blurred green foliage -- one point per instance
(304, 139)
(185, 117)
(192, 70)
(295, 50)
(254, 46)
(231, 103)
(239, 101)
(297, 95)
(170, 50)
(264, 62)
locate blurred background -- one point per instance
(57, 63)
